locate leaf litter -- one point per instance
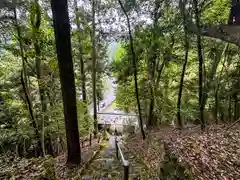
(214, 154)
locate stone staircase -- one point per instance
(106, 166)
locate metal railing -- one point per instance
(125, 162)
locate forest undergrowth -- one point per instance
(47, 167)
(213, 154)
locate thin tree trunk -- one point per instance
(44, 117)
(94, 69)
(186, 46)
(152, 64)
(165, 59)
(83, 78)
(36, 22)
(216, 107)
(98, 103)
(235, 106)
(200, 70)
(30, 109)
(152, 120)
(64, 54)
(211, 74)
(222, 114)
(24, 84)
(159, 74)
(135, 69)
(180, 123)
(218, 85)
(230, 109)
(90, 139)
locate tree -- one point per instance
(200, 70)
(152, 61)
(83, 77)
(218, 86)
(94, 69)
(24, 84)
(186, 42)
(134, 67)
(35, 17)
(63, 46)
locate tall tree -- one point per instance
(216, 93)
(186, 47)
(200, 61)
(134, 68)
(94, 69)
(24, 83)
(64, 54)
(83, 77)
(35, 16)
(152, 61)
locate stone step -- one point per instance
(107, 166)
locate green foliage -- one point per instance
(85, 121)
(35, 25)
(157, 40)
(170, 51)
(217, 12)
(125, 97)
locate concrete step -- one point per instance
(107, 166)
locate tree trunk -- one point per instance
(135, 69)
(165, 60)
(159, 74)
(30, 109)
(90, 139)
(222, 115)
(235, 107)
(230, 109)
(152, 120)
(216, 107)
(211, 75)
(44, 117)
(94, 70)
(200, 70)
(180, 123)
(98, 103)
(36, 22)
(152, 63)
(64, 54)
(83, 77)
(218, 85)
(24, 84)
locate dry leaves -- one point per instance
(151, 151)
(211, 155)
(214, 154)
(37, 168)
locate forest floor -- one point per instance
(47, 167)
(213, 154)
(98, 161)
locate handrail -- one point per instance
(125, 162)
